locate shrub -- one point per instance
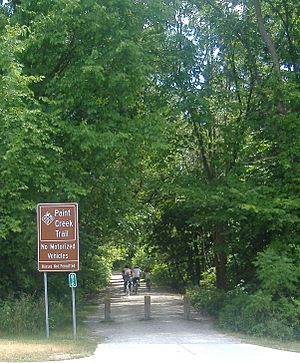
(208, 278)
(287, 315)
(257, 314)
(161, 275)
(277, 273)
(208, 301)
(229, 315)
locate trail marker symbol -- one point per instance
(72, 280)
(48, 218)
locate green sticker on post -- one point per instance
(72, 280)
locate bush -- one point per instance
(208, 278)
(287, 316)
(229, 315)
(27, 315)
(271, 311)
(160, 274)
(208, 301)
(257, 314)
(278, 274)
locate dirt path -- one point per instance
(167, 336)
(167, 324)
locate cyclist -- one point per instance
(127, 277)
(136, 276)
(147, 279)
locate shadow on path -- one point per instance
(167, 336)
(167, 324)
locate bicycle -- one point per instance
(135, 285)
(127, 287)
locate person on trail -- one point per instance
(127, 277)
(147, 278)
(136, 275)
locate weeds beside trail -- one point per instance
(23, 349)
(22, 334)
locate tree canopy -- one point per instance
(174, 125)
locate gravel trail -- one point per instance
(167, 336)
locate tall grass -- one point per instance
(26, 314)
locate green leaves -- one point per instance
(158, 119)
(277, 272)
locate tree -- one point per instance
(27, 163)
(226, 160)
(169, 120)
(91, 102)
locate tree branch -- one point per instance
(264, 34)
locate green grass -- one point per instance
(292, 346)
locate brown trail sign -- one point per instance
(58, 237)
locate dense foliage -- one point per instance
(175, 126)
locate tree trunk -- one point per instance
(271, 47)
(264, 34)
(220, 257)
(197, 261)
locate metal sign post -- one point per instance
(46, 304)
(73, 285)
(74, 312)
